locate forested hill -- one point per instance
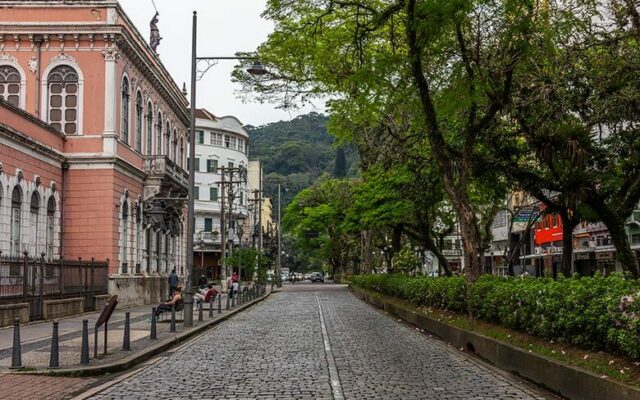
(296, 153)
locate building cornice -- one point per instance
(26, 141)
(31, 118)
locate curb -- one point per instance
(135, 359)
(566, 380)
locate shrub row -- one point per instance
(598, 313)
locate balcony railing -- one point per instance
(163, 173)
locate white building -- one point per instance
(221, 156)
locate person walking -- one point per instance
(173, 283)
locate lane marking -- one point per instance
(334, 378)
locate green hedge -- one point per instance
(597, 313)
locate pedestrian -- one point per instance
(234, 277)
(209, 293)
(173, 283)
(176, 301)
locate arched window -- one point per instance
(124, 128)
(174, 149)
(167, 142)
(63, 99)
(139, 122)
(33, 221)
(16, 209)
(149, 127)
(10, 84)
(181, 160)
(159, 133)
(125, 236)
(138, 237)
(51, 211)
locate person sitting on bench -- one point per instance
(207, 296)
(168, 305)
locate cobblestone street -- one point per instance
(316, 342)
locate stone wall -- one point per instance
(53, 309)
(8, 312)
(138, 290)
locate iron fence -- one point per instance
(34, 280)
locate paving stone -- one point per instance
(276, 351)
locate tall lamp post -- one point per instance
(256, 70)
(240, 231)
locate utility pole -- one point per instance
(279, 257)
(223, 235)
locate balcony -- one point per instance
(164, 178)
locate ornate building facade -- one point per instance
(93, 143)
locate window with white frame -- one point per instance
(216, 139)
(10, 84)
(139, 122)
(33, 222)
(124, 118)
(181, 160)
(233, 143)
(16, 209)
(51, 211)
(159, 134)
(167, 141)
(149, 128)
(63, 87)
(227, 141)
(138, 237)
(174, 149)
(125, 236)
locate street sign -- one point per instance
(107, 310)
(527, 214)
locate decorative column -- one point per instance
(110, 89)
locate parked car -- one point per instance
(317, 277)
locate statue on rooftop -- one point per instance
(155, 39)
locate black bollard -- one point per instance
(220, 303)
(106, 330)
(84, 352)
(16, 353)
(54, 359)
(228, 300)
(154, 334)
(200, 312)
(173, 318)
(126, 340)
(211, 307)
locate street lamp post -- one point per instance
(256, 70)
(240, 231)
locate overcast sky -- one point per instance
(224, 28)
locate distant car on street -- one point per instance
(317, 277)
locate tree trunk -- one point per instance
(366, 236)
(567, 242)
(470, 239)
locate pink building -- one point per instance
(93, 136)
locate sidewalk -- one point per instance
(36, 339)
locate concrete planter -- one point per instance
(568, 381)
(62, 308)
(8, 312)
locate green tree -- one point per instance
(321, 208)
(340, 168)
(438, 74)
